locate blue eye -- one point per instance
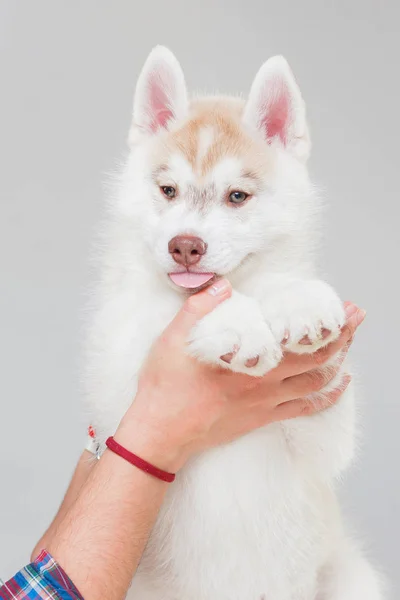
(238, 197)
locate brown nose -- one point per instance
(187, 250)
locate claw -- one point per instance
(325, 333)
(285, 338)
(229, 356)
(305, 341)
(252, 362)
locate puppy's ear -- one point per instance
(275, 107)
(160, 96)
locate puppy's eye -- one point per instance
(168, 191)
(238, 197)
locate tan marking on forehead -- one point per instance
(223, 118)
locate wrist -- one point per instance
(151, 441)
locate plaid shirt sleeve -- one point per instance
(43, 579)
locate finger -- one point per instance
(354, 321)
(301, 407)
(198, 305)
(349, 309)
(294, 364)
(311, 381)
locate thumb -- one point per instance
(198, 305)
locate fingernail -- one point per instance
(346, 380)
(350, 309)
(360, 316)
(219, 287)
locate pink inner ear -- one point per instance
(159, 103)
(276, 113)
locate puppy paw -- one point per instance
(236, 336)
(306, 316)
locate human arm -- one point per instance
(83, 468)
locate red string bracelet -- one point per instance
(139, 462)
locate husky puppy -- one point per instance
(218, 186)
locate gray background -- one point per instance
(67, 78)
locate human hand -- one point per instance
(183, 406)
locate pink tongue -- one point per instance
(190, 280)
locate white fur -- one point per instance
(238, 322)
(257, 518)
(207, 136)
